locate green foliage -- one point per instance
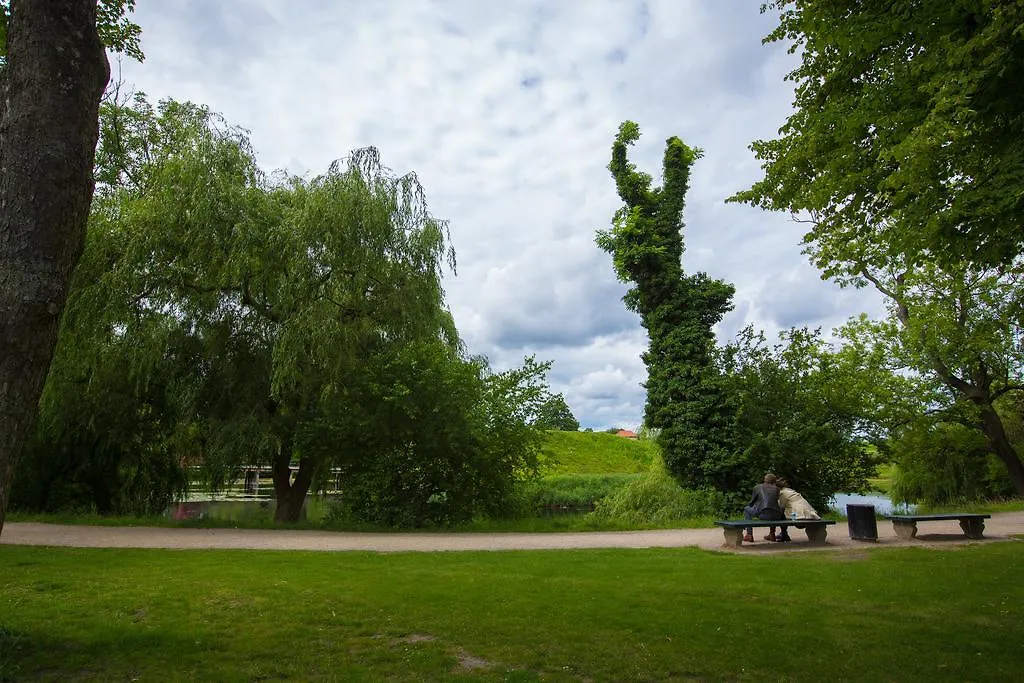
(685, 396)
(289, 321)
(656, 499)
(571, 490)
(941, 463)
(801, 415)
(597, 453)
(433, 440)
(906, 151)
(908, 134)
(104, 440)
(555, 414)
(953, 338)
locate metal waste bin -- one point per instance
(861, 519)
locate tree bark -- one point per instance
(49, 112)
(290, 495)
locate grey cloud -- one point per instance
(520, 171)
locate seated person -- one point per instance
(794, 506)
(764, 504)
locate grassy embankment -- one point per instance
(908, 614)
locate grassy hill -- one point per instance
(598, 453)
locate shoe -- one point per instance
(770, 537)
(782, 539)
(748, 538)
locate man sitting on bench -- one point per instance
(764, 504)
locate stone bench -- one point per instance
(905, 526)
(815, 528)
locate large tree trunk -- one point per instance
(290, 495)
(1001, 446)
(50, 91)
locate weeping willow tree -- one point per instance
(239, 310)
(685, 397)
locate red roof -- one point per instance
(626, 433)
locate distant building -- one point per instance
(626, 434)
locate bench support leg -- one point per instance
(973, 528)
(816, 534)
(733, 537)
(906, 531)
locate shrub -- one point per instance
(655, 499)
(572, 490)
(944, 463)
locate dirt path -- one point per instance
(1002, 526)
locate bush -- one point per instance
(656, 499)
(943, 463)
(572, 490)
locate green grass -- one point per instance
(908, 614)
(989, 506)
(598, 453)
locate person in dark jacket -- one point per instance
(764, 504)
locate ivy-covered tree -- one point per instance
(555, 414)
(685, 396)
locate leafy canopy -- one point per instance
(239, 321)
(908, 134)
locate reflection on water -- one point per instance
(883, 505)
(252, 501)
(245, 510)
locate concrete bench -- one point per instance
(905, 526)
(815, 528)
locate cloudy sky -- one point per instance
(506, 111)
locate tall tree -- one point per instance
(685, 397)
(904, 155)
(55, 72)
(908, 126)
(960, 329)
(555, 413)
(290, 292)
(804, 410)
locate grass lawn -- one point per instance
(596, 615)
(597, 453)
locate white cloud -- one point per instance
(506, 112)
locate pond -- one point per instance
(243, 503)
(883, 505)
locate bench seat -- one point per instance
(972, 523)
(733, 528)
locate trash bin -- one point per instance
(861, 519)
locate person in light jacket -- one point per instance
(794, 506)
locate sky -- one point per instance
(506, 112)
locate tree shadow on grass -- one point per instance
(117, 654)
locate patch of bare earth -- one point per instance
(470, 663)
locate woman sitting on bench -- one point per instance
(794, 506)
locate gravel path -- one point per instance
(1002, 526)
